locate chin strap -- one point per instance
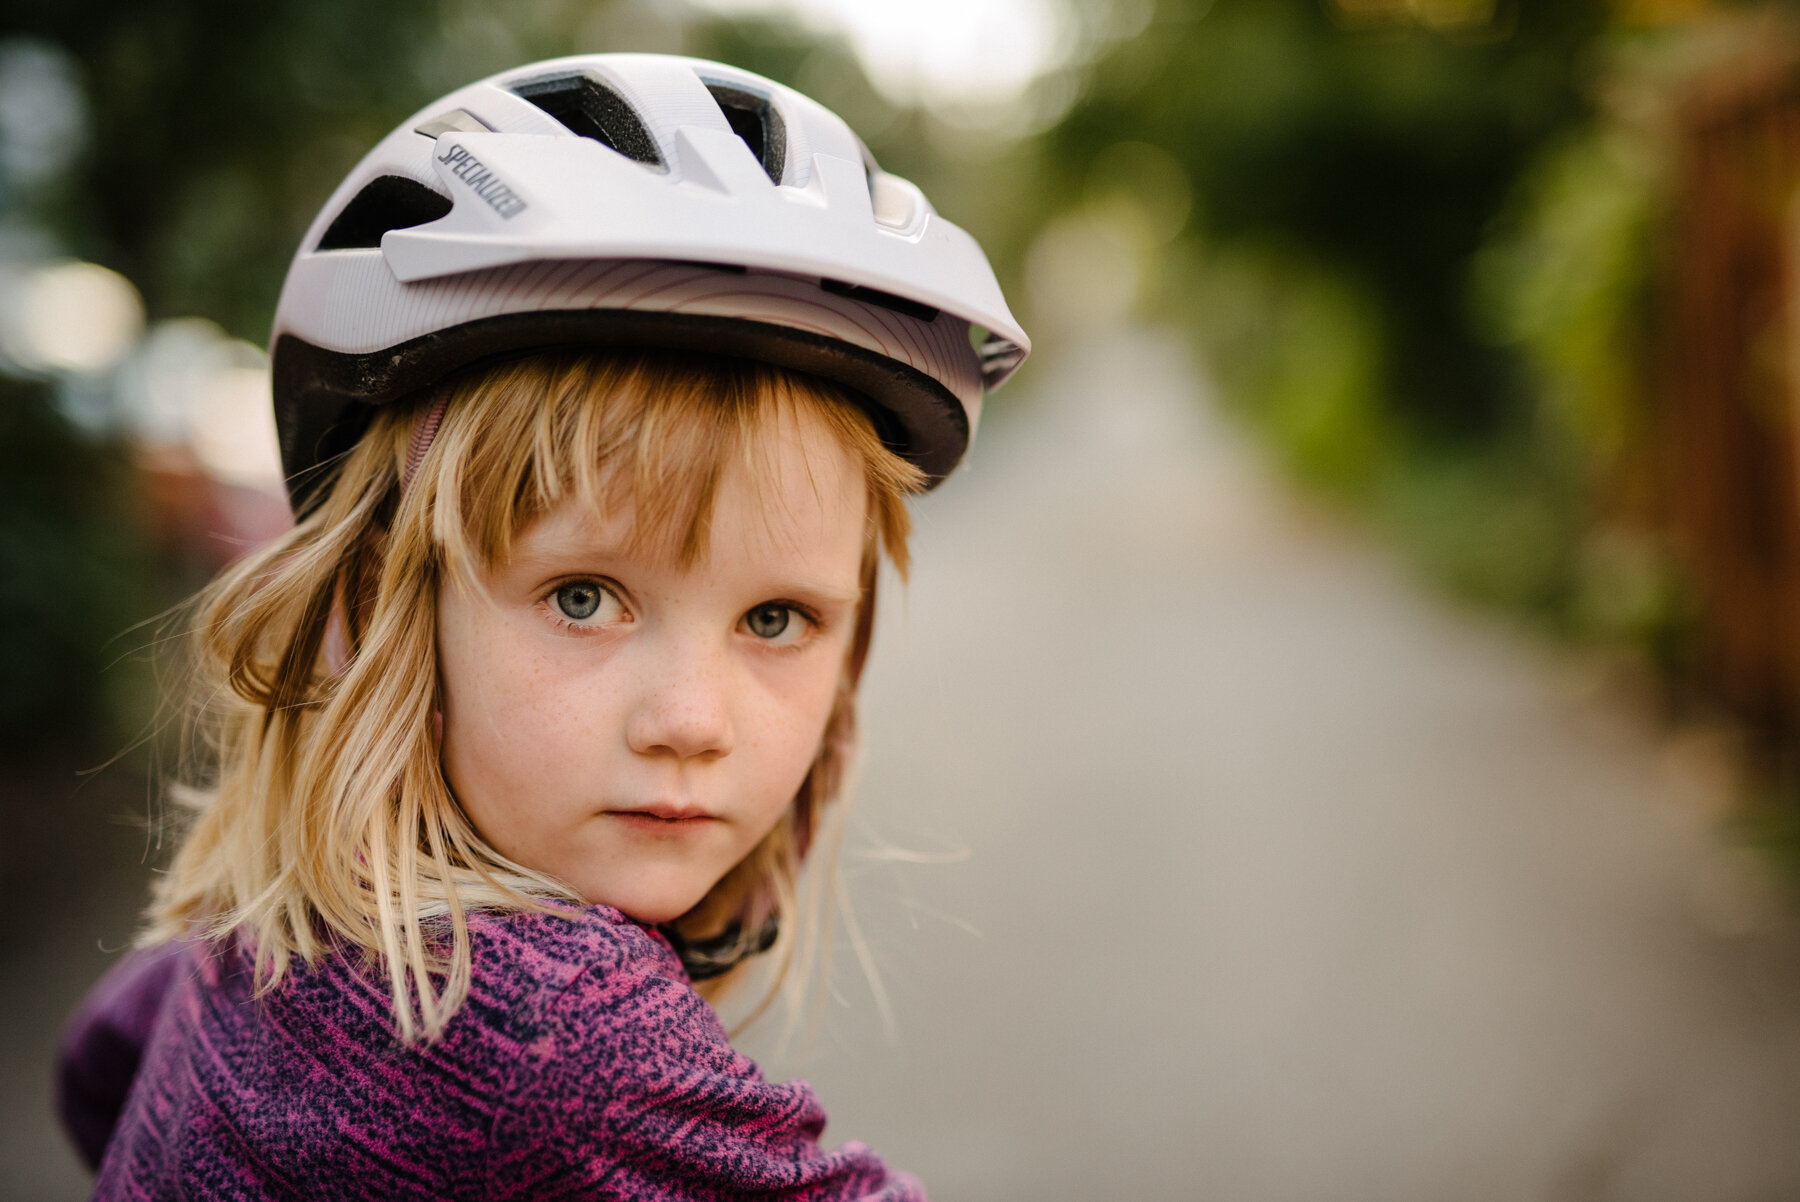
(718, 954)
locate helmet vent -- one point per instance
(874, 296)
(387, 202)
(588, 107)
(758, 123)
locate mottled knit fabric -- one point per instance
(582, 1066)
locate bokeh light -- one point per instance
(43, 113)
(190, 387)
(941, 53)
(68, 316)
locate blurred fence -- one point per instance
(1727, 370)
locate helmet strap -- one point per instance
(423, 432)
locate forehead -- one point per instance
(792, 492)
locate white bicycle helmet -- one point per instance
(643, 200)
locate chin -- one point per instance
(650, 906)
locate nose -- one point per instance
(684, 707)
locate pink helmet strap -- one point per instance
(423, 433)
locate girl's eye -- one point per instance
(772, 620)
(580, 600)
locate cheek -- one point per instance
(501, 715)
(795, 719)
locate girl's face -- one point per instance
(634, 727)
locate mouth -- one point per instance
(663, 816)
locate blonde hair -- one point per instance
(325, 821)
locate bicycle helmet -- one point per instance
(634, 199)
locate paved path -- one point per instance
(1278, 879)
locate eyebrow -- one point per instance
(828, 593)
(534, 562)
(532, 551)
(548, 557)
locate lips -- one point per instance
(666, 812)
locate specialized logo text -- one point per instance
(485, 183)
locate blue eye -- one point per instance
(769, 620)
(578, 600)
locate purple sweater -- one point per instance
(582, 1066)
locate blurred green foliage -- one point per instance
(216, 129)
(1566, 281)
(1418, 260)
(1566, 278)
(1378, 158)
(76, 577)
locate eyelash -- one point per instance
(577, 626)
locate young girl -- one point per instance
(600, 386)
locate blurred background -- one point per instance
(1340, 741)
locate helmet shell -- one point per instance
(644, 200)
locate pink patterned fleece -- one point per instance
(582, 1066)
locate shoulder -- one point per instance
(586, 988)
(628, 1084)
(567, 983)
(104, 1039)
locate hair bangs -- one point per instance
(648, 432)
